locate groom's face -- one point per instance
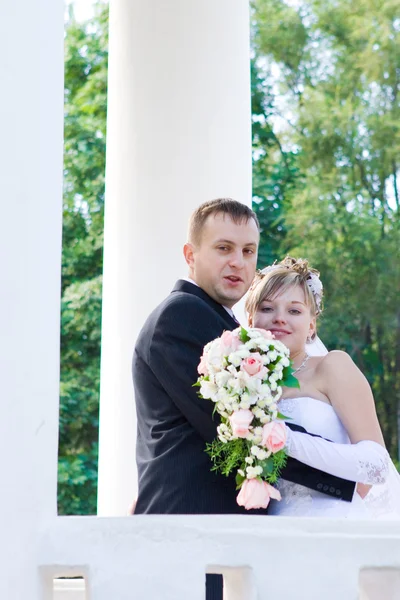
(223, 262)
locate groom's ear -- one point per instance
(188, 253)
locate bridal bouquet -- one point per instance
(242, 373)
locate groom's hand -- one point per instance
(301, 429)
(363, 489)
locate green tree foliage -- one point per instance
(334, 69)
(325, 82)
(274, 169)
(84, 165)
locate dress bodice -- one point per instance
(319, 418)
(315, 416)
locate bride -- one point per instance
(334, 401)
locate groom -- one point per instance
(174, 424)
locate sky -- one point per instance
(83, 8)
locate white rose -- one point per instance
(254, 385)
(224, 396)
(209, 390)
(281, 348)
(263, 454)
(250, 345)
(253, 333)
(242, 378)
(243, 352)
(264, 347)
(235, 359)
(258, 412)
(245, 398)
(208, 346)
(265, 390)
(235, 386)
(253, 472)
(214, 355)
(223, 433)
(222, 378)
(260, 453)
(265, 419)
(253, 398)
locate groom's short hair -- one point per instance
(237, 211)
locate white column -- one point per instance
(179, 133)
(31, 114)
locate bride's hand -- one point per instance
(363, 489)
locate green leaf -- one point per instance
(267, 466)
(291, 382)
(239, 480)
(282, 417)
(243, 335)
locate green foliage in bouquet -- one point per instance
(243, 373)
(229, 457)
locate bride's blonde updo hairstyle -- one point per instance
(276, 279)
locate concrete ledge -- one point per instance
(167, 557)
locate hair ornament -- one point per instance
(315, 285)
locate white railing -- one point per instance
(261, 558)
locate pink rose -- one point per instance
(253, 365)
(202, 368)
(240, 421)
(255, 493)
(274, 436)
(230, 342)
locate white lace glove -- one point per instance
(364, 462)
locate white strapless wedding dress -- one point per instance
(383, 501)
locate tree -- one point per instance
(333, 66)
(84, 166)
(274, 169)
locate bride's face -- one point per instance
(288, 317)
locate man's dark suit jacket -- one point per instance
(174, 424)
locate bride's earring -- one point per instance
(309, 339)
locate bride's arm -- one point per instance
(365, 460)
(350, 395)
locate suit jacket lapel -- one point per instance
(189, 288)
